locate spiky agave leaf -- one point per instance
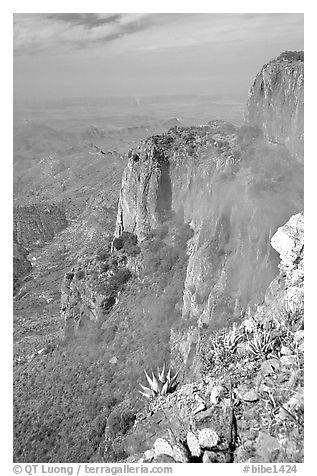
(148, 378)
(173, 379)
(161, 385)
(155, 384)
(145, 394)
(165, 388)
(148, 393)
(253, 348)
(168, 376)
(261, 343)
(145, 388)
(269, 340)
(162, 377)
(257, 341)
(233, 338)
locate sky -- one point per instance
(61, 55)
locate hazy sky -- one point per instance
(90, 54)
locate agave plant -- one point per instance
(261, 344)
(160, 385)
(233, 338)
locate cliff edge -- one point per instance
(276, 101)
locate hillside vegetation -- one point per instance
(77, 383)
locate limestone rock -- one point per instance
(210, 457)
(217, 417)
(206, 458)
(247, 394)
(149, 455)
(285, 350)
(180, 454)
(207, 438)
(289, 242)
(216, 393)
(162, 447)
(193, 444)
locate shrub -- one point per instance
(120, 278)
(114, 261)
(118, 243)
(80, 274)
(119, 422)
(102, 255)
(168, 256)
(125, 241)
(153, 245)
(291, 56)
(133, 250)
(107, 304)
(104, 267)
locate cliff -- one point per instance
(276, 101)
(234, 189)
(224, 417)
(206, 273)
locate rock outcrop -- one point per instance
(91, 289)
(289, 243)
(234, 187)
(216, 180)
(285, 295)
(146, 192)
(276, 101)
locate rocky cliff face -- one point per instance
(276, 101)
(90, 291)
(224, 417)
(233, 189)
